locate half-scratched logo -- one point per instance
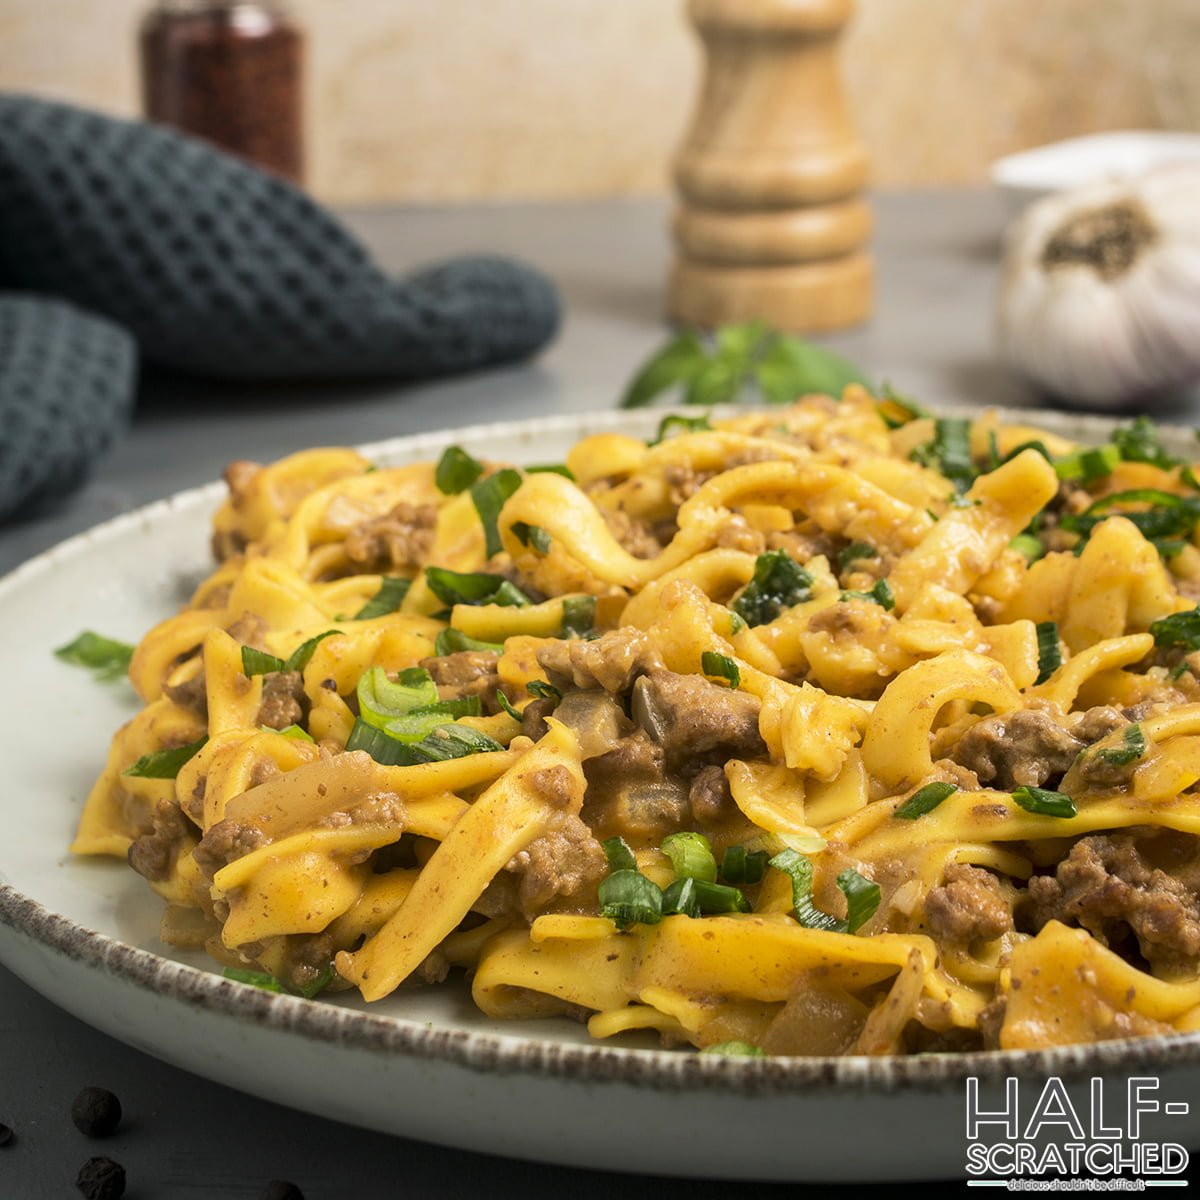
(1107, 1136)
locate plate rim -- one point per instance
(489, 1052)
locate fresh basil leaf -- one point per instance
(388, 599)
(532, 535)
(456, 471)
(165, 764)
(552, 469)
(489, 496)
(880, 594)
(779, 583)
(674, 364)
(717, 382)
(474, 588)
(791, 367)
(106, 657)
(855, 552)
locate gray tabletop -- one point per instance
(931, 336)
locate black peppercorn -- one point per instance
(6, 1135)
(280, 1189)
(96, 1112)
(101, 1179)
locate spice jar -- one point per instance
(230, 72)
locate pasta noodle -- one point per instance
(810, 731)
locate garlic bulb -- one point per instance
(1100, 295)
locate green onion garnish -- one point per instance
(717, 898)
(1140, 443)
(106, 657)
(855, 552)
(691, 856)
(1179, 629)
(676, 424)
(1028, 545)
(1132, 747)
(620, 856)
(949, 452)
(680, 898)
(508, 706)
(735, 1050)
(736, 624)
(477, 587)
(296, 732)
(897, 410)
(444, 742)
(532, 535)
(258, 979)
(739, 865)
(578, 615)
(862, 895)
(489, 496)
(454, 641)
(456, 471)
(925, 799)
(720, 666)
(1088, 465)
(381, 699)
(629, 898)
(390, 596)
(543, 690)
(164, 764)
(880, 594)
(259, 662)
(552, 469)
(1044, 801)
(1049, 650)
(779, 582)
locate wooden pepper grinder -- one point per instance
(771, 222)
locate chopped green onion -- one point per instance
(295, 732)
(949, 452)
(164, 764)
(718, 898)
(862, 895)
(855, 552)
(629, 898)
(543, 690)
(739, 865)
(880, 594)
(532, 535)
(1049, 650)
(1179, 629)
(779, 583)
(323, 979)
(680, 898)
(390, 596)
(456, 471)
(735, 1050)
(925, 799)
(444, 742)
(578, 615)
(677, 423)
(1029, 546)
(721, 666)
(490, 496)
(477, 587)
(1140, 443)
(691, 856)
(106, 657)
(1133, 746)
(454, 641)
(736, 624)
(620, 856)
(419, 723)
(381, 699)
(258, 979)
(552, 469)
(506, 704)
(258, 662)
(302, 655)
(1088, 465)
(1045, 802)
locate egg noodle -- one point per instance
(821, 730)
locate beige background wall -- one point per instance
(440, 99)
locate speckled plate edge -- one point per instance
(487, 1052)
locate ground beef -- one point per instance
(611, 661)
(153, 854)
(709, 797)
(466, 673)
(192, 694)
(223, 843)
(738, 534)
(564, 864)
(990, 1021)
(1122, 884)
(697, 722)
(238, 477)
(969, 907)
(400, 538)
(631, 794)
(634, 534)
(1023, 748)
(282, 700)
(533, 719)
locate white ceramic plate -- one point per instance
(423, 1063)
(1091, 159)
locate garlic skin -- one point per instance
(1100, 294)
